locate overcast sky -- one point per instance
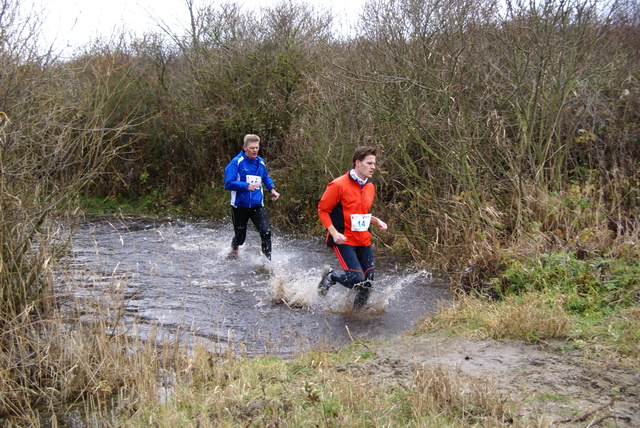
(76, 22)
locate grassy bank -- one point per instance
(589, 303)
(211, 203)
(316, 389)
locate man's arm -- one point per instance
(338, 237)
(268, 182)
(381, 224)
(328, 201)
(231, 178)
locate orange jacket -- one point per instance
(343, 197)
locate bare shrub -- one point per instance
(54, 139)
(477, 105)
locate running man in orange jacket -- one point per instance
(344, 212)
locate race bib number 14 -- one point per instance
(360, 222)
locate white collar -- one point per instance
(354, 175)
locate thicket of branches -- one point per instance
(60, 127)
(496, 120)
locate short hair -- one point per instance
(250, 138)
(361, 153)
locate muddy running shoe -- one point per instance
(325, 282)
(362, 295)
(233, 255)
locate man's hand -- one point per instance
(275, 195)
(381, 224)
(338, 237)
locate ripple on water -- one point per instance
(179, 281)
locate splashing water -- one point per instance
(175, 278)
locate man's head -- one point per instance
(364, 161)
(251, 145)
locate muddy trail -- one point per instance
(548, 384)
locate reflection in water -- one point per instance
(174, 278)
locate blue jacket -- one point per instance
(239, 173)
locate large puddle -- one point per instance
(174, 279)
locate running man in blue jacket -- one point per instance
(246, 176)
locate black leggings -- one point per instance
(357, 263)
(258, 215)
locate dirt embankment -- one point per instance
(560, 388)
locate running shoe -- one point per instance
(362, 295)
(326, 282)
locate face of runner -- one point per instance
(366, 166)
(251, 149)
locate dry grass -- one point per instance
(463, 401)
(51, 366)
(312, 390)
(531, 318)
(81, 366)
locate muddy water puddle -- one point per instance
(174, 279)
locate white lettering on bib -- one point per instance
(360, 222)
(254, 179)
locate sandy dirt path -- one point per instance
(558, 388)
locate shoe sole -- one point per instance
(322, 289)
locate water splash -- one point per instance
(176, 278)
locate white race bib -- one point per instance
(254, 179)
(360, 222)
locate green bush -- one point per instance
(587, 285)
